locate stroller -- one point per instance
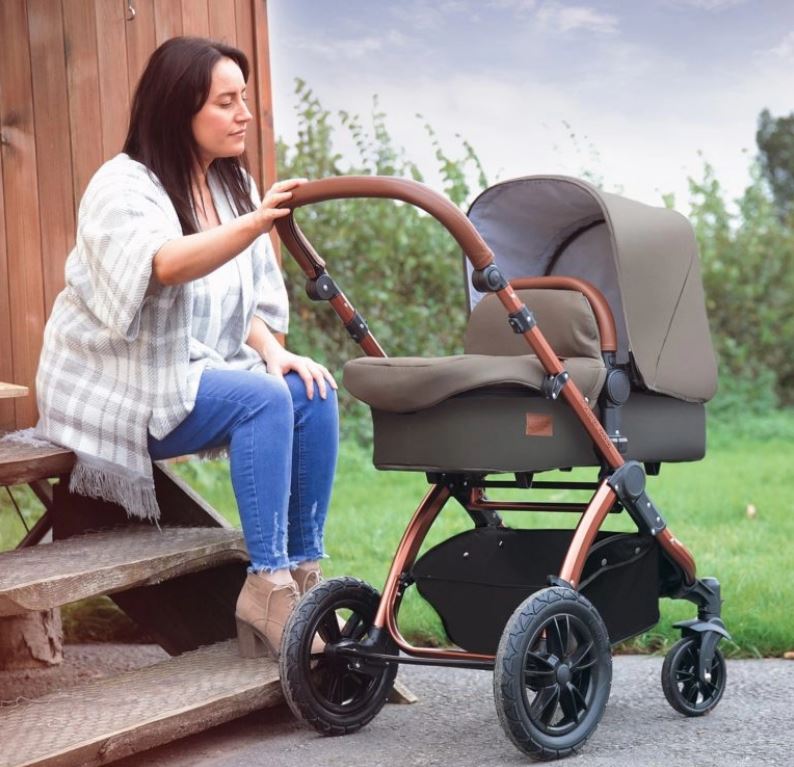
(587, 345)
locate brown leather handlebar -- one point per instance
(596, 299)
(343, 187)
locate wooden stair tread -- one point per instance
(8, 390)
(114, 717)
(52, 574)
(21, 463)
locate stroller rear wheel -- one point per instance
(329, 691)
(553, 673)
(684, 691)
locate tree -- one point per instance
(775, 139)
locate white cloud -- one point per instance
(349, 48)
(785, 48)
(511, 5)
(709, 5)
(569, 18)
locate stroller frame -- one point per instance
(621, 483)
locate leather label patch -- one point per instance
(539, 425)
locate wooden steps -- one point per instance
(109, 719)
(20, 463)
(53, 574)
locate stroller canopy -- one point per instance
(643, 259)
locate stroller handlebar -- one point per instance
(345, 187)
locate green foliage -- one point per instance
(747, 258)
(775, 139)
(398, 266)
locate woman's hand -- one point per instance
(280, 361)
(267, 213)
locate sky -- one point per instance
(631, 91)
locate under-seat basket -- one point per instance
(475, 580)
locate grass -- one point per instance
(705, 505)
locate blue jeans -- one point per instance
(282, 454)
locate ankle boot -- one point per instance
(262, 612)
(307, 575)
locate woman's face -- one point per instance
(219, 126)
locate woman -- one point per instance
(162, 342)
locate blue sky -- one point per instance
(643, 85)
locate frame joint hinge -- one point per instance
(553, 385)
(357, 328)
(628, 482)
(322, 288)
(522, 321)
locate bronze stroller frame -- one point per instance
(621, 483)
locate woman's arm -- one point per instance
(196, 255)
(280, 361)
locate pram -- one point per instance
(607, 294)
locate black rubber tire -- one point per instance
(310, 682)
(683, 690)
(554, 628)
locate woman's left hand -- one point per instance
(280, 361)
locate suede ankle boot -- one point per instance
(263, 609)
(307, 575)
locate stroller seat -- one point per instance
(483, 411)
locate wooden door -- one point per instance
(68, 69)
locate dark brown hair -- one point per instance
(172, 89)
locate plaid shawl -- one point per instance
(115, 360)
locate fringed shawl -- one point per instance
(116, 355)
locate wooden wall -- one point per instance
(68, 69)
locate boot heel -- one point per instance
(249, 643)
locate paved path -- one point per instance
(454, 724)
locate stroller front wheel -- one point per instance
(684, 691)
(553, 673)
(328, 691)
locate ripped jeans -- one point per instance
(282, 454)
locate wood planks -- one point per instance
(68, 69)
(54, 574)
(106, 720)
(8, 390)
(21, 203)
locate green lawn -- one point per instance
(705, 505)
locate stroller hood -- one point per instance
(643, 259)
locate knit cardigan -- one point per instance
(115, 360)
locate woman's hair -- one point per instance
(172, 89)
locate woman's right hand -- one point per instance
(280, 192)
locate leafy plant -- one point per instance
(747, 258)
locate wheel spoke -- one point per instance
(537, 678)
(335, 684)
(690, 691)
(357, 627)
(538, 671)
(579, 696)
(329, 628)
(577, 661)
(539, 659)
(545, 703)
(557, 635)
(568, 703)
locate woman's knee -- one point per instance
(259, 397)
(316, 407)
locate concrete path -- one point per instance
(454, 724)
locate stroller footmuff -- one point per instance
(587, 346)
